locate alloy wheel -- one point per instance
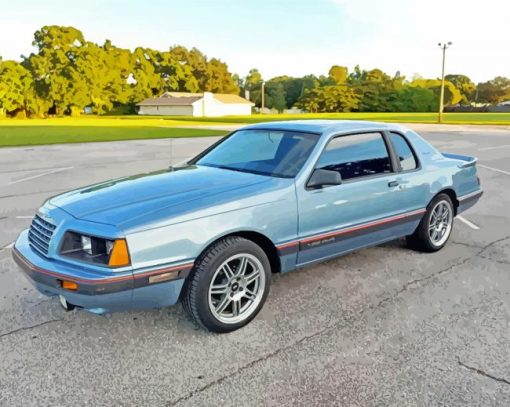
(440, 223)
(236, 288)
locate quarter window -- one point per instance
(356, 156)
(403, 151)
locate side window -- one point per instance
(403, 151)
(356, 156)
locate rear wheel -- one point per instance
(229, 285)
(435, 227)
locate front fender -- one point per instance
(182, 242)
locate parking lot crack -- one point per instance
(327, 329)
(418, 281)
(28, 328)
(495, 260)
(472, 246)
(483, 373)
(492, 244)
(249, 365)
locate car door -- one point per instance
(365, 209)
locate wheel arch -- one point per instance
(453, 196)
(259, 239)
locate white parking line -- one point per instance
(24, 217)
(494, 147)
(493, 169)
(40, 175)
(467, 222)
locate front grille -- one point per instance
(39, 235)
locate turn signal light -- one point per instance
(119, 255)
(69, 285)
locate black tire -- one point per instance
(196, 290)
(421, 239)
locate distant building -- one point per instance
(195, 104)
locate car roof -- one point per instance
(325, 126)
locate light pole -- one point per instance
(443, 46)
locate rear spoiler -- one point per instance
(468, 160)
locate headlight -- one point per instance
(93, 249)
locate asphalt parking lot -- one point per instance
(382, 326)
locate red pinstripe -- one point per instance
(352, 229)
(285, 245)
(35, 268)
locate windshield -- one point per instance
(275, 153)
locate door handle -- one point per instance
(393, 184)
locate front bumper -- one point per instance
(105, 292)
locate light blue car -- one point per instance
(270, 197)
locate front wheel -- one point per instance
(228, 285)
(435, 227)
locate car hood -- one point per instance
(121, 200)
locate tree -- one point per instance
(253, 84)
(414, 99)
(309, 82)
(330, 99)
(66, 73)
(465, 86)
(452, 95)
(147, 82)
(210, 75)
(494, 91)
(239, 83)
(356, 77)
(16, 86)
(279, 88)
(219, 79)
(278, 98)
(253, 79)
(69, 73)
(293, 90)
(338, 74)
(374, 86)
(104, 74)
(54, 67)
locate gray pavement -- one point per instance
(381, 326)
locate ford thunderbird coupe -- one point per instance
(268, 198)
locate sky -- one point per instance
(287, 37)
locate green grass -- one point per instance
(23, 135)
(448, 118)
(14, 132)
(110, 121)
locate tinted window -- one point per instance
(267, 152)
(403, 151)
(356, 156)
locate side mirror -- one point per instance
(321, 178)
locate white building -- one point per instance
(195, 104)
